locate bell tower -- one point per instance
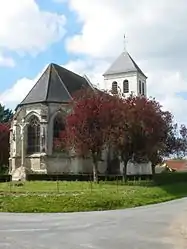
(125, 76)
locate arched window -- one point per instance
(143, 88)
(125, 86)
(140, 87)
(58, 128)
(33, 135)
(114, 87)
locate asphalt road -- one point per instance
(162, 226)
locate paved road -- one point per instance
(153, 227)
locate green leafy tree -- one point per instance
(5, 114)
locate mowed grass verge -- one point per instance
(84, 196)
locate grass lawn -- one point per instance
(84, 196)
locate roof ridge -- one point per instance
(136, 65)
(56, 71)
(50, 71)
(64, 68)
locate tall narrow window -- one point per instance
(140, 87)
(143, 88)
(58, 129)
(33, 135)
(125, 86)
(114, 87)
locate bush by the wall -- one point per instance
(83, 177)
(158, 179)
(5, 178)
(168, 178)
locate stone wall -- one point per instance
(72, 165)
(57, 165)
(134, 168)
(46, 161)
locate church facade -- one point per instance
(40, 117)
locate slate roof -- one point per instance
(123, 64)
(56, 85)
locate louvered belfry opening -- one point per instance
(114, 87)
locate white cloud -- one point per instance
(6, 61)
(146, 26)
(93, 69)
(156, 37)
(25, 28)
(18, 91)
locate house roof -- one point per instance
(178, 165)
(56, 85)
(123, 64)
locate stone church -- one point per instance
(40, 116)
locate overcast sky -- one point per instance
(87, 35)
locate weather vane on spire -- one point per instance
(124, 48)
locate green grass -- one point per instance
(84, 196)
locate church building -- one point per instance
(40, 117)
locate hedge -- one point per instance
(83, 177)
(163, 178)
(5, 178)
(168, 178)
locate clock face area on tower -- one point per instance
(125, 77)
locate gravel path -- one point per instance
(162, 226)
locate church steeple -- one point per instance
(125, 74)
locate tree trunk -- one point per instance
(125, 159)
(153, 169)
(125, 170)
(95, 173)
(95, 170)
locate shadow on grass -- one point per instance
(174, 184)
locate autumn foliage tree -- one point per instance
(4, 145)
(135, 127)
(146, 130)
(94, 114)
(5, 118)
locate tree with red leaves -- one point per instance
(135, 127)
(146, 131)
(94, 115)
(4, 145)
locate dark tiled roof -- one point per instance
(123, 64)
(56, 85)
